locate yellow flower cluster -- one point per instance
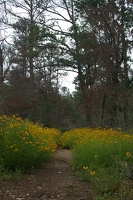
(80, 136)
(18, 132)
(86, 168)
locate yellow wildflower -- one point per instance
(93, 172)
(128, 154)
(16, 150)
(85, 167)
(11, 125)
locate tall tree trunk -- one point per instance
(125, 73)
(84, 97)
(31, 41)
(1, 79)
(31, 69)
(102, 109)
(83, 85)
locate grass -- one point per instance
(104, 158)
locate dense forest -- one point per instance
(42, 40)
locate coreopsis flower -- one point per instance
(93, 172)
(128, 154)
(85, 167)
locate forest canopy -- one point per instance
(42, 40)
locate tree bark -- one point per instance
(84, 97)
(1, 79)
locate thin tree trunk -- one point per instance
(1, 79)
(102, 109)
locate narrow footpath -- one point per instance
(52, 181)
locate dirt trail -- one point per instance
(52, 181)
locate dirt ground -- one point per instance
(52, 181)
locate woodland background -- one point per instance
(37, 50)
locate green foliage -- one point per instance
(104, 158)
(108, 166)
(64, 129)
(90, 3)
(68, 139)
(24, 144)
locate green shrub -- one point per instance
(24, 144)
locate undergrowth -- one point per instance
(103, 158)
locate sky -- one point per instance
(65, 81)
(68, 81)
